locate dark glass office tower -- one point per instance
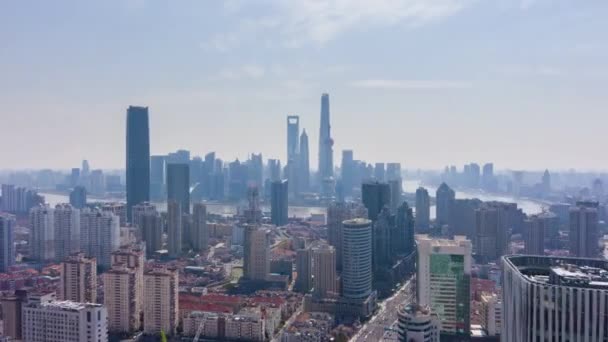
(279, 203)
(138, 157)
(178, 185)
(375, 196)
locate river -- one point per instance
(410, 186)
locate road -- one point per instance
(279, 335)
(386, 317)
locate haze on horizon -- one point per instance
(521, 83)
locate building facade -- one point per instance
(417, 324)
(138, 157)
(161, 307)
(554, 299)
(357, 259)
(443, 281)
(78, 279)
(7, 240)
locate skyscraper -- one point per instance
(554, 299)
(326, 158)
(293, 134)
(379, 172)
(487, 228)
(157, 177)
(256, 263)
(161, 307)
(337, 213)
(78, 281)
(375, 196)
(303, 282)
(444, 272)
(174, 228)
(584, 235)
(304, 164)
(178, 185)
(357, 259)
(138, 157)
(396, 193)
(198, 230)
(7, 240)
(324, 271)
(402, 238)
(99, 235)
(423, 209)
(348, 172)
(42, 234)
(124, 286)
(534, 235)
(78, 197)
(67, 231)
(279, 203)
(151, 227)
(445, 198)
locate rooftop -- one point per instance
(562, 271)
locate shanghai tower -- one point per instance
(138, 157)
(326, 153)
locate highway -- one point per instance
(386, 317)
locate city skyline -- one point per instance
(395, 92)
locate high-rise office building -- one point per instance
(7, 240)
(324, 271)
(584, 235)
(42, 233)
(65, 321)
(178, 185)
(157, 178)
(199, 233)
(423, 210)
(97, 183)
(253, 213)
(67, 231)
(78, 197)
(487, 229)
(443, 281)
(75, 177)
(326, 152)
(382, 237)
(78, 281)
(348, 172)
(402, 238)
(546, 182)
(256, 261)
(161, 307)
(375, 196)
(304, 164)
(463, 216)
(293, 134)
(151, 227)
(174, 228)
(554, 299)
(303, 282)
(138, 157)
(445, 198)
(337, 213)
(139, 211)
(99, 234)
(279, 204)
(396, 194)
(124, 287)
(417, 323)
(379, 172)
(534, 235)
(357, 259)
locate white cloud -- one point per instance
(299, 22)
(409, 84)
(221, 42)
(250, 71)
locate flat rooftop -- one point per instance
(560, 271)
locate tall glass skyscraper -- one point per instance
(326, 152)
(279, 203)
(138, 157)
(293, 134)
(178, 185)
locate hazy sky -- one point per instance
(422, 82)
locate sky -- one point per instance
(521, 83)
